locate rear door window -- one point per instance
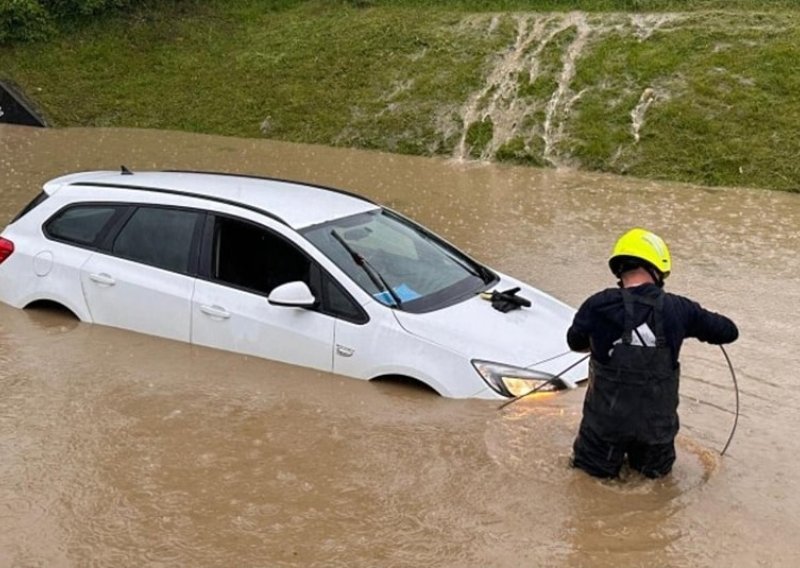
(81, 224)
(161, 237)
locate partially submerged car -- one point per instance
(283, 270)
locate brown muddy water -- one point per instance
(118, 449)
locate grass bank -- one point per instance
(636, 87)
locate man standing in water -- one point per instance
(634, 333)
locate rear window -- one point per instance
(30, 206)
(81, 224)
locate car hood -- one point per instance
(532, 337)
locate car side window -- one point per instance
(158, 236)
(251, 257)
(81, 224)
(337, 303)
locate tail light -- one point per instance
(6, 248)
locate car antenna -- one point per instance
(125, 171)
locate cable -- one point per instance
(736, 390)
(544, 384)
(582, 359)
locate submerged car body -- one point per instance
(283, 270)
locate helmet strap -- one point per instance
(658, 279)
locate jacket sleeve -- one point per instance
(709, 326)
(578, 333)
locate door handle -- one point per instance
(103, 279)
(343, 351)
(215, 311)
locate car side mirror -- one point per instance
(292, 295)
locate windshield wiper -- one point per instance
(373, 274)
(486, 274)
(478, 270)
(472, 267)
(463, 264)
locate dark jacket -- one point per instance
(599, 322)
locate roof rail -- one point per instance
(183, 193)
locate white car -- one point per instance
(287, 271)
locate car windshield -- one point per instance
(398, 262)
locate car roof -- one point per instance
(296, 204)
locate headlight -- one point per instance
(514, 381)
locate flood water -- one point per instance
(118, 449)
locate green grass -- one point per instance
(726, 115)
(588, 5)
(397, 75)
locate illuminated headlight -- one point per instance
(514, 381)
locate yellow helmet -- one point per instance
(640, 245)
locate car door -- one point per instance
(73, 233)
(144, 280)
(241, 263)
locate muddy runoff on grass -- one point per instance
(125, 450)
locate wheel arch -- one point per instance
(401, 378)
(59, 304)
